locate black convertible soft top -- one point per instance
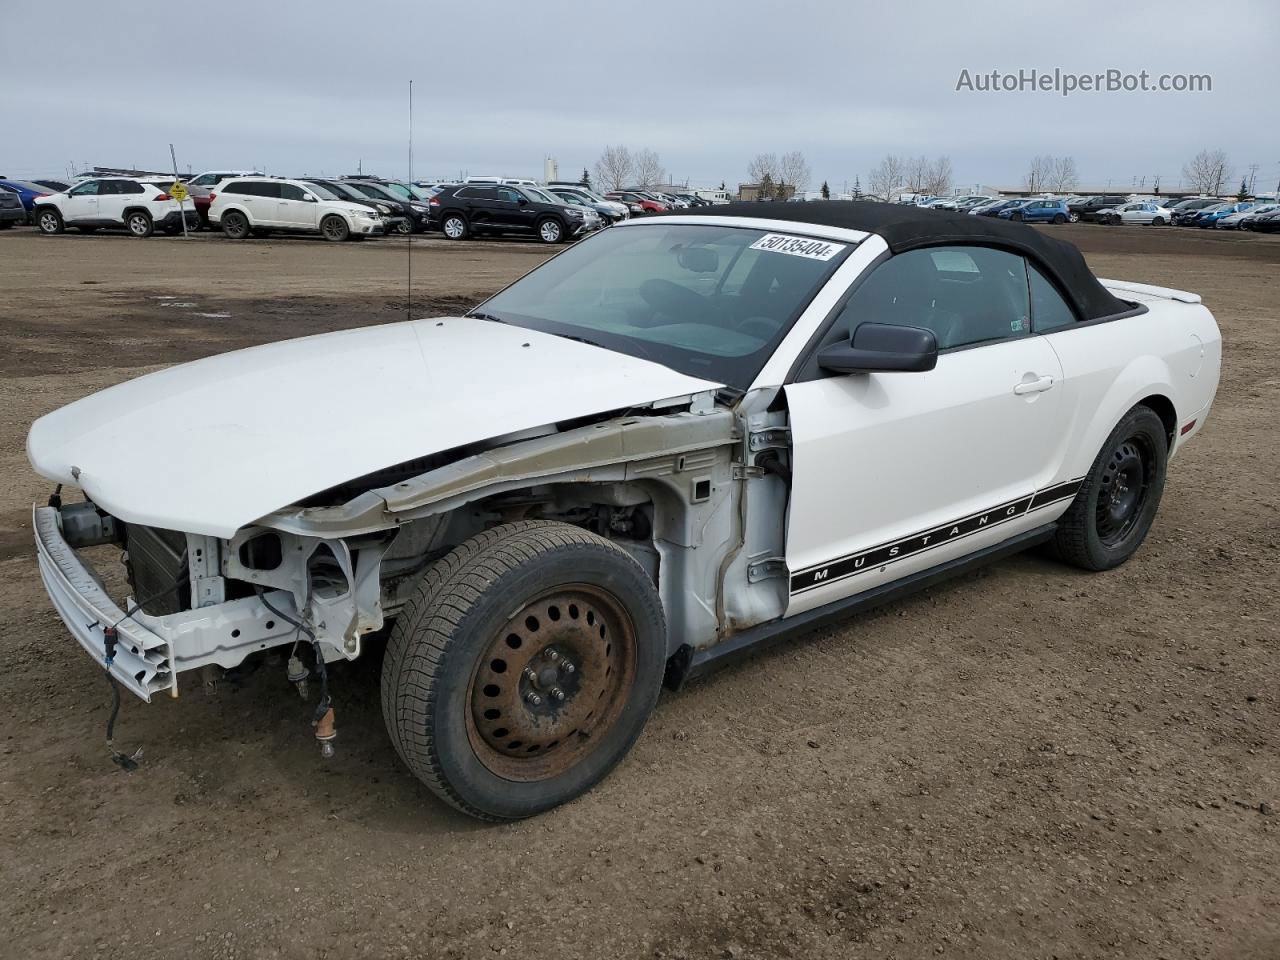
(908, 227)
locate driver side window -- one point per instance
(966, 295)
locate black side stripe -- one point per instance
(886, 553)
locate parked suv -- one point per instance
(416, 213)
(258, 205)
(202, 188)
(1089, 208)
(11, 209)
(474, 208)
(140, 206)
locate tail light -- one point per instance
(433, 202)
(212, 195)
(162, 196)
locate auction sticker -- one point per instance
(798, 246)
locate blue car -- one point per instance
(26, 191)
(1212, 215)
(1038, 211)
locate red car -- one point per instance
(634, 200)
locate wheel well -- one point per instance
(1163, 408)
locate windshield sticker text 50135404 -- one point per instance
(798, 246)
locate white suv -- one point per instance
(258, 205)
(141, 206)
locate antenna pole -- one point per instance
(408, 306)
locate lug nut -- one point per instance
(533, 699)
(567, 666)
(557, 693)
(530, 674)
(552, 656)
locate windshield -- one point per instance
(541, 197)
(400, 190)
(344, 192)
(323, 192)
(708, 301)
(371, 190)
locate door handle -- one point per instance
(1033, 386)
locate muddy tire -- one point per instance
(235, 226)
(334, 229)
(523, 668)
(1118, 500)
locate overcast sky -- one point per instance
(321, 86)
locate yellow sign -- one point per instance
(178, 191)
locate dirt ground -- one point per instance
(1028, 763)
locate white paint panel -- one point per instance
(210, 446)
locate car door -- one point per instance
(514, 210)
(81, 204)
(893, 473)
(262, 200)
(115, 196)
(293, 210)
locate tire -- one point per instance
(334, 229)
(140, 224)
(454, 226)
(1104, 526)
(1059, 218)
(405, 228)
(510, 647)
(235, 225)
(1157, 221)
(1016, 215)
(49, 221)
(551, 230)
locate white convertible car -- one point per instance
(678, 439)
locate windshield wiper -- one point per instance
(480, 315)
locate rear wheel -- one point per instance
(523, 668)
(1016, 215)
(454, 226)
(235, 225)
(334, 228)
(49, 221)
(1117, 502)
(140, 224)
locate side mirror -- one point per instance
(882, 348)
(309, 198)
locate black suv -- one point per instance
(1088, 208)
(415, 212)
(464, 209)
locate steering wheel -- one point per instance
(671, 298)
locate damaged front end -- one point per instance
(334, 568)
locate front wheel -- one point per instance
(334, 229)
(49, 222)
(523, 668)
(139, 224)
(1060, 218)
(1157, 221)
(550, 231)
(1118, 499)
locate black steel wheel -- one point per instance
(235, 225)
(1118, 500)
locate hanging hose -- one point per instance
(322, 719)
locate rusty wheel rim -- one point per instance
(551, 683)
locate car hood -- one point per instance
(210, 446)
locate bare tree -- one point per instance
(649, 170)
(887, 178)
(938, 178)
(1206, 171)
(1040, 174)
(761, 166)
(1062, 175)
(614, 168)
(793, 172)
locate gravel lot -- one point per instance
(1030, 762)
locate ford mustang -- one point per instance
(677, 440)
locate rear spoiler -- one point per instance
(1167, 293)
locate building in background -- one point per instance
(550, 169)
